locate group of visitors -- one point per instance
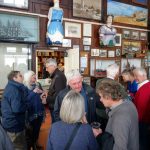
(73, 104)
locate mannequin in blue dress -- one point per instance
(107, 33)
(55, 30)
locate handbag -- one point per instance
(72, 136)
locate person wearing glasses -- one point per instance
(13, 109)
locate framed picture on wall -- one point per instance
(143, 36)
(102, 53)
(15, 3)
(126, 34)
(72, 29)
(111, 53)
(135, 35)
(142, 2)
(133, 15)
(118, 39)
(87, 9)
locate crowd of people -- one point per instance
(73, 106)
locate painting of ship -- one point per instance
(13, 31)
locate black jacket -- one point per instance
(58, 83)
(92, 99)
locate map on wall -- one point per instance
(128, 14)
(19, 28)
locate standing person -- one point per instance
(58, 82)
(107, 33)
(55, 31)
(74, 82)
(13, 109)
(142, 103)
(72, 114)
(35, 109)
(123, 116)
(132, 85)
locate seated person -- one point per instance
(72, 114)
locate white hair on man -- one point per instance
(72, 109)
(27, 78)
(72, 74)
(51, 61)
(140, 71)
(112, 71)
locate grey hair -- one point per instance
(72, 109)
(51, 61)
(112, 70)
(140, 71)
(27, 78)
(72, 74)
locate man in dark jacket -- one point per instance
(13, 109)
(74, 81)
(58, 82)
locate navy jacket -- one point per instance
(92, 99)
(14, 106)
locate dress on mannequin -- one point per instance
(55, 30)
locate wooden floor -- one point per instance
(44, 131)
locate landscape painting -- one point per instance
(128, 14)
(87, 9)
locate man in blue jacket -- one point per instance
(13, 109)
(74, 82)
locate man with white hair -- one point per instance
(74, 82)
(142, 103)
(58, 82)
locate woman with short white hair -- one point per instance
(35, 112)
(72, 114)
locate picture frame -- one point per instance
(143, 35)
(87, 29)
(102, 53)
(86, 41)
(72, 29)
(88, 10)
(135, 35)
(16, 3)
(87, 48)
(111, 53)
(141, 2)
(118, 52)
(94, 52)
(126, 34)
(118, 39)
(133, 15)
(26, 28)
(66, 43)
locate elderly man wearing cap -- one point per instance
(74, 82)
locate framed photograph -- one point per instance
(94, 52)
(143, 35)
(118, 52)
(135, 35)
(118, 39)
(102, 53)
(133, 15)
(142, 2)
(66, 43)
(72, 29)
(19, 28)
(87, 9)
(15, 3)
(87, 29)
(111, 53)
(87, 48)
(86, 41)
(126, 34)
